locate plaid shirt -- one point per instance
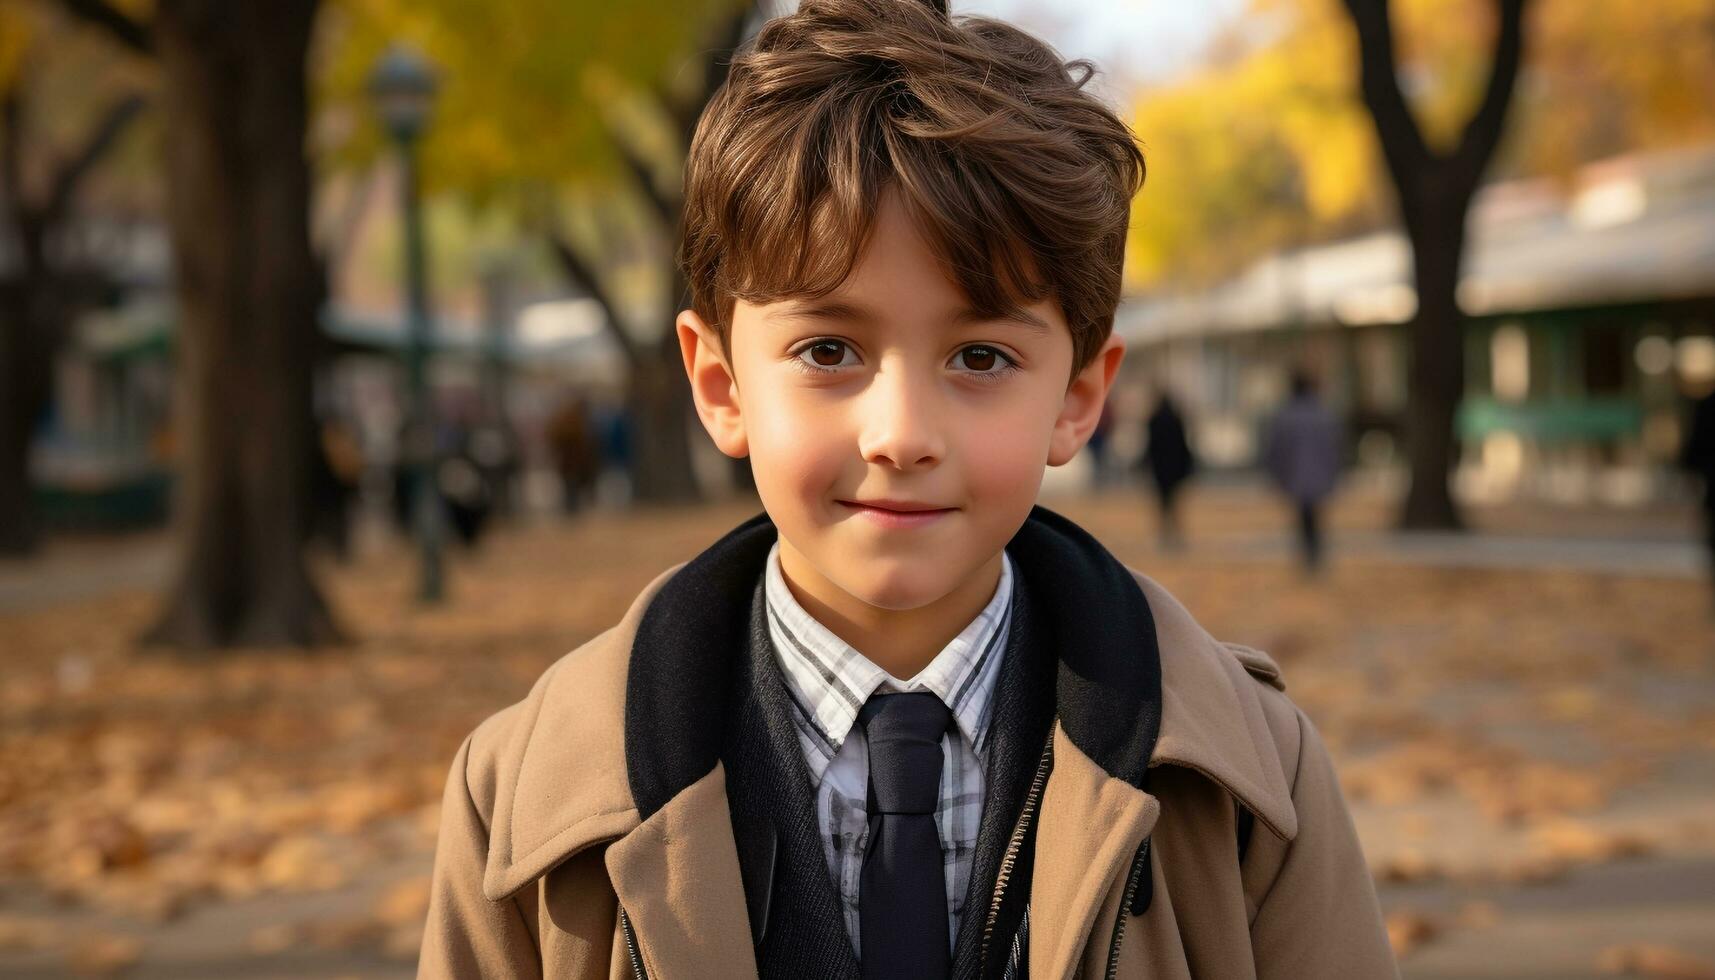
(829, 682)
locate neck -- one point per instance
(899, 641)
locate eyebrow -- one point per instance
(855, 313)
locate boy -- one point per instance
(904, 723)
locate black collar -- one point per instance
(1108, 685)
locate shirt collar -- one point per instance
(830, 680)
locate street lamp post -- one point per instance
(403, 87)
(496, 449)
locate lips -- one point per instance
(897, 506)
(893, 515)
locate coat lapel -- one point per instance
(563, 786)
(677, 878)
(1212, 720)
(1091, 826)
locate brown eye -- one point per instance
(827, 353)
(978, 359)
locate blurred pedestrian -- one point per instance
(1698, 458)
(336, 471)
(614, 428)
(576, 453)
(1097, 447)
(1302, 452)
(1170, 463)
(465, 495)
(494, 452)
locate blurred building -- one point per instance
(1590, 310)
(103, 454)
(96, 455)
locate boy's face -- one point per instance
(887, 392)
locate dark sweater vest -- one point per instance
(796, 922)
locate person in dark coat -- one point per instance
(1168, 457)
(1097, 447)
(1302, 453)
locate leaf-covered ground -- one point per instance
(1519, 747)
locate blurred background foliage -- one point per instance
(1265, 147)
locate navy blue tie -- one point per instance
(902, 893)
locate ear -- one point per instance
(1085, 397)
(713, 387)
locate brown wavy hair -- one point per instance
(1020, 179)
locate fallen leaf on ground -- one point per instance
(1406, 866)
(1481, 914)
(103, 955)
(20, 933)
(1408, 929)
(1582, 842)
(404, 903)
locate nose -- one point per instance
(900, 426)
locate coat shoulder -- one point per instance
(584, 690)
(581, 678)
(1180, 635)
(1258, 664)
(1225, 713)
(547, 774)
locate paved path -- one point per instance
(1559, 930)
(67, 571)
(1619, 556)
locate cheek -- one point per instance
(793, 444)
(1005, 451)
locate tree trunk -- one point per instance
(22, 392)
(238, 199)
(31, 318)
(28, 323)
(1437, 379)
(1434, 192)
(659, 395)
(659, 400)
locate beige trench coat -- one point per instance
(541, 845)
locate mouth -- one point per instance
(897, 506)
(896, 513)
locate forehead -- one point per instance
(900, 278)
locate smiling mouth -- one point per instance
(889, 518)
(895, 507)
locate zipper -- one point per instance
(1139, 868)
(1019, 831)
(1015, 958)
(631, 949)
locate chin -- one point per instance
(895, 588)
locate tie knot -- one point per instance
(904, 735)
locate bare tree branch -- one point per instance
(101, 139)
(666, 207)
(717, 66)
(717, 60)
(684, 114)
(1402, 142)
(121, 28)
(1483, 132)
(582, 273)
(11, 166)
(681, 112)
